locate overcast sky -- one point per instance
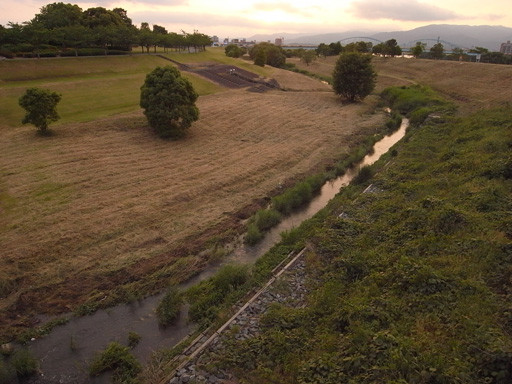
(230, 18)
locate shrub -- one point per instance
(253, 235)
(364, 174)
(266, 219)
(418, 116)
(169, 307)
(119, 359)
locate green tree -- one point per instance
(418, 49)
(58, 15)
(274, 55)
(233, 50)
(437, 51)
(260, 58)
(353, 76)
(308, 56)
(169, 100)
(40, 105)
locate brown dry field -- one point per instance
(104, 210)
(471, 85)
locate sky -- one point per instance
(237, 19)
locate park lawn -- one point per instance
(91, 88)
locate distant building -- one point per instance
(279, 41)
(506, 48)
(215, 39)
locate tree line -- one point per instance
(66, 30)
(391, 48)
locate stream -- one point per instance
(65, 353)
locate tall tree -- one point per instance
(437, 51)
(354, 76)
(57, 15)
(168, 100)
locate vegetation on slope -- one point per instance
(412, 283)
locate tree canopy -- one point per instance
(66, 29)
(40, 105)
(274, 55)
(353, 76)
(168, 100)
(437, 51)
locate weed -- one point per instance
(253, 235)
(24, 363)
(169, 307)
(118, 359)
(133, 339)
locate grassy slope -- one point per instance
(92, 87)
(413, 284)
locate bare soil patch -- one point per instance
(103, 205)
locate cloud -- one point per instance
(402, 10)
(193, 18)
(285, 7)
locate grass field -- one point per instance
(471, 85)
(92, 87)
(103, 210)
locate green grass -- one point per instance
(412, 284)
(91, 87)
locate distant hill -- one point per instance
(462, 36)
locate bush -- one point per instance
(364, 174)
(419, 115)
(119, 359)
(266, 219)
(169, 307)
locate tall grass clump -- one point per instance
(416, 102)
(298, 195)
(169, 307)
(262, 221)
(116, 358)
(208, 296)
(16, 365)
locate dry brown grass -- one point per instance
(102, 204)
(471, 85)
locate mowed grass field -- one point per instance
(104, 211)
(471, 85)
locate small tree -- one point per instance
(169, 100)
(353, 76)
(418, 49)
(40, 105)
(437, 51)
(308, 56)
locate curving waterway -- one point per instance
(65, 353)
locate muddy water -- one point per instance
(64, 354)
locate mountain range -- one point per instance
(452, 36)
